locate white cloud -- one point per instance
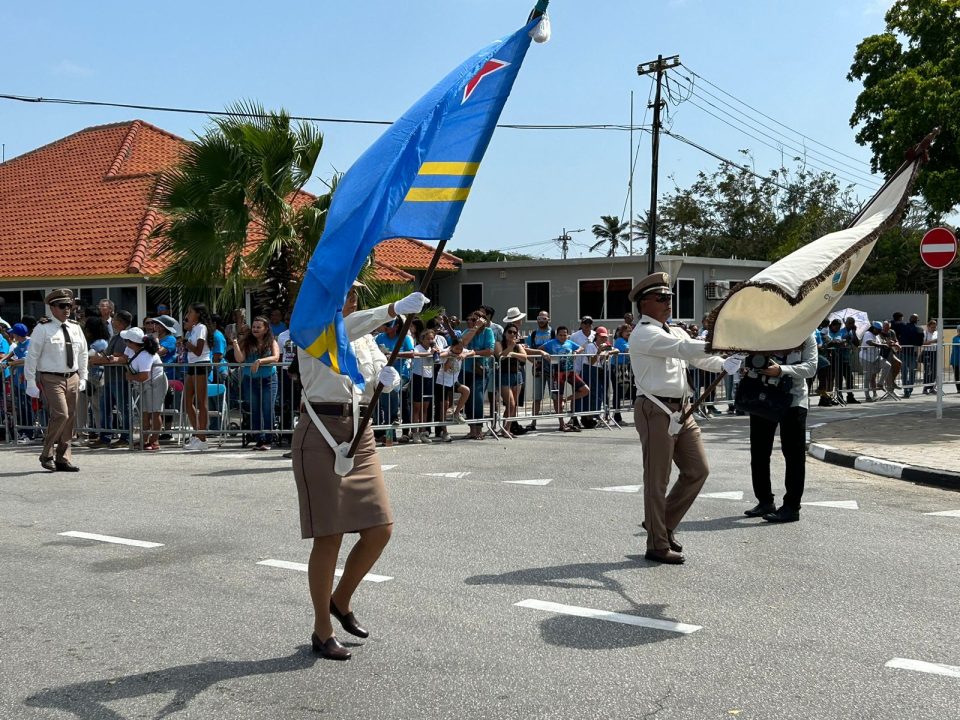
(71, 69)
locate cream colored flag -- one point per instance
(780, 306)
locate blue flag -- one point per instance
(412, 182)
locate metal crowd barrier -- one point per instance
(506, 397)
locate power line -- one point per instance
(350, 121)
(774, 120)
(840, 166)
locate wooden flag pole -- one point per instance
(371, 408)
(706, 393)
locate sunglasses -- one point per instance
(63, 306)
(510, 332)
(661, 298)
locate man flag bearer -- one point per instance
(57, 362)
(659, 356)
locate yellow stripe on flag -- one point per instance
(437, 194)
(326, 344)
(449, 168)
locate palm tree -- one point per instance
(610, 231)
(235, 212)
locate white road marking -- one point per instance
(819, 450)
(946, 513)
(456, 475)
(302, 567)
(529, 482)
(111, 539)
(387, 467)
(841, 504)
(622, 618)
(816, 425)
(924, 667)
(878, 466)
(733, 495)
(620, 488)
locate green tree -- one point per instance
(911, 84)
(611, 232)
(235, 212)
(489, 255)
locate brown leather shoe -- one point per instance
(330, 648)
(348, 621)
(47, 464)
(64, 466)
(674, 545)
(668, 557)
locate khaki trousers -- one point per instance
(61, 395)
(660, 451)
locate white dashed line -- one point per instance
(111, 539)
(387, 467)
(946, 513)
(733, 495)
(924, 667)
(620, 488)
(455, 475)
(302, 567)
(528, 482)
(841, 504)
(621, 618)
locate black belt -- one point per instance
(335, 409)
(669, 399)
(66, 375)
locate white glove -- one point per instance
(731, 365)
(412, 303)
(32, 390)
(389, 378)
(82, 386)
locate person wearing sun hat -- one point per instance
(145, 373)
(57, 362)
(514, 316)
(659, 355)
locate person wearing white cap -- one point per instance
(145, 370)
(514, 316)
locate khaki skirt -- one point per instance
(330, 504)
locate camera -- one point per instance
(756, 361)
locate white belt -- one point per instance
(342, 465)
(676, 424)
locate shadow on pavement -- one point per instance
(586, 633)
(86, 700)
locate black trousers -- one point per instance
(793, 439)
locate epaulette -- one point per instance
(43, 320)
(73, 322)
(645, 322)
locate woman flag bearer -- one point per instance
(335, 496)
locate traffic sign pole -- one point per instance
(938, 250)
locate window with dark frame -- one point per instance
(591, 298)
(606, 299)
(618, 303)
(538, 298)
(683, 299)
(471, 297)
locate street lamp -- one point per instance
(564, 240)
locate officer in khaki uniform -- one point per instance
(659, 355)
(57, 362)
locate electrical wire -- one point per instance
(350, 121)
(837, 165)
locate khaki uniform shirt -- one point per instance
(659, 358)
(322, 385)
(48, 350)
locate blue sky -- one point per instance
(373, 59)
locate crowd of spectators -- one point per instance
(200, 370)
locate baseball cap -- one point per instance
(20, 330)
(602, 331)
(133, 334)
(586, 319)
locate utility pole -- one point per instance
(658, 66)
(630, 186)
(564, 241)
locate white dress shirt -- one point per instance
(48, 350)
(660, 356)
(322, 385)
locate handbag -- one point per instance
(766, 397)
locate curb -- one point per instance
(877, 466)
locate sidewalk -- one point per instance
(903, 440)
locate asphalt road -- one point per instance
(793, 621)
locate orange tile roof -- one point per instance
(82, 206)
(78, 207)
(388, 273)
(410, 254)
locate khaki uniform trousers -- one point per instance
(61, 395)
(660, 451)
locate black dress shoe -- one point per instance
(348, 621)
(674, 545)
(65, 466)
(783, 515)
(760, 509)
(668, 557)
(47, 463)
(330, 648)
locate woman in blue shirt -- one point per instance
(258, 349)
(623, 385)
(479, 338)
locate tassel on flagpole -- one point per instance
(541, 33)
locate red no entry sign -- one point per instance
(938, 248)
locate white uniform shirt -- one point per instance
(659, 358)
(323, 385)
(48, 350)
